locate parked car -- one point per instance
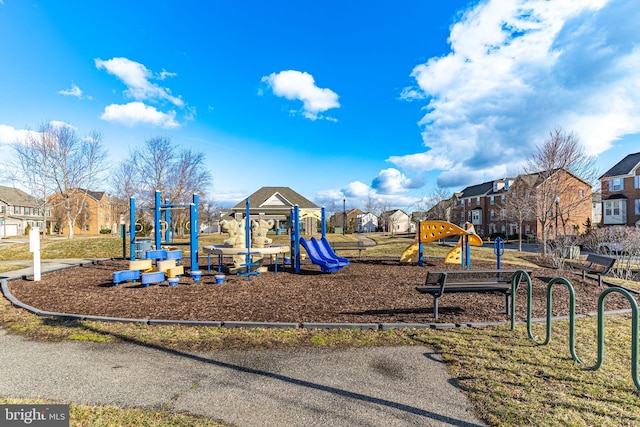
(610, 247)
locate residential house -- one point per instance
(620, 187)
(440, 211)
(470, 205)
(491, 206)
(557, 202)
(346, 220)
(19, 211)
(366, 223)
(276, 203)
(396, 221)
(100, 212)
(596, 208)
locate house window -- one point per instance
(475, 218)
(636, 181)
(612, 207)
(492, 200)
(478, 200)
(86, 227)
(616, 184)
(503, 199)
(492, 214)
(637, 201)
(27, 211)
(581, 192)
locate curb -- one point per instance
(268, 325)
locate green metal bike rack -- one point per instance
(572, 315)
(634, 332)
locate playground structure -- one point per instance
(247, 245)
(431, 231)
(319, 251)
(161, 264)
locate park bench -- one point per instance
(438, 283)
(352, 246)
(597, 264)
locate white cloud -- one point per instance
(360, 195)
(74, 90)
(356, 189)
(137, 79)
(301, 86)
(518, 69)
(135, 113)
(391, 181)
(10, 135)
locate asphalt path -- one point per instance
(380, 386)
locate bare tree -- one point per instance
(160, 166)
(556, 194)
(209, 212)
(63, 162)
(436, 205)
(520, 205)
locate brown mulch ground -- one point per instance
(366, 291)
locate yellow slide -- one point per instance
(430, 231)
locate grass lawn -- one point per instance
(509, 379)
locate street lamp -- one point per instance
(459, 195)
(344, 215)
(557, 203)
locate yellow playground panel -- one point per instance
(431, 231)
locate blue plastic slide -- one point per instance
(327, 253)
(326, 265)
(327, 245)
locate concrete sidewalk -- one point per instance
(46, 265)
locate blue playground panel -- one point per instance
(156, 254)
(125, 275)
(152, 277)
(177, 255)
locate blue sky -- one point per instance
(359, 100)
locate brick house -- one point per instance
(100, 212)
(348, 219)
(490, 206)
(620, 187)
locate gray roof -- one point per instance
(291, 198)
(16, 197)
(478, 190)
(97, 195)
(624, 167)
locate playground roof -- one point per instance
(275, 198)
